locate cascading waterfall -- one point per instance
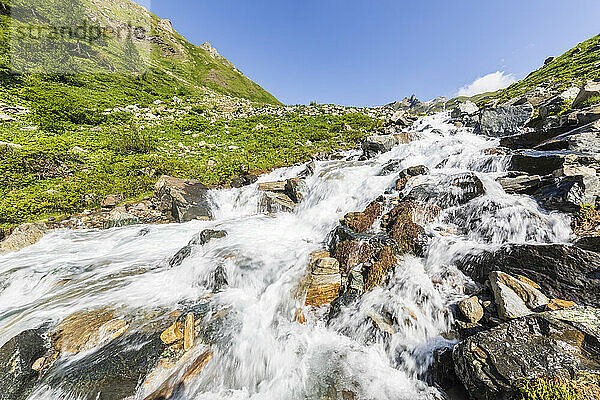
(259, 350)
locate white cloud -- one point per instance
(489, 83)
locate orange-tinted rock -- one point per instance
(386, 260)
(558, 304)
(172, 334)
(361, 221)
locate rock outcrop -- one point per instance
(183, 199)
(22, 236)
(504, 120)
(562, 271)
(562, 344)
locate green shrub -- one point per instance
(134, 141)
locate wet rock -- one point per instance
(408, 235)
(22, 236)
(17, 358)
(360, 222)
(589, 90)
(111, 373)
(275, 202)
(206, 236)
(515, 298)
(589, 243)
(570, 192)
(324, 282)
(531, 139)
(504, 120)
(85, 330)
(562, 271)
(537, 162)
(524, 184)
(471, 309)
(385, 261)
(558, 304)
(454, 190)
(585, 139)
(173, 334)
(118, 218)
(282, 195)
(441, 371)
(175, 383)
(375, 145)
(183, 199)
(562, 344)
(112, 200)
(410, 172)
(244, 180)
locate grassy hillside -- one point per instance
(573, 68)
(159, 64)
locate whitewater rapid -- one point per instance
(262, 352)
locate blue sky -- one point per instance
(373, 52)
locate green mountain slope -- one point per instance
(121, 66)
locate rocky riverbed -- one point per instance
(452, 256)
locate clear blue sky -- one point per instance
(372, 52)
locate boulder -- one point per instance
(361, 221)
(453, 190)
(275, 202)
(282, 195)
(410, 172)
(471, 309)
(568, 193)
(524, 184)
(84, 330)
(22, 236)
(562, 271)
(589, 90)
(324, 281)
(118, 218)
(183, 199)
(537, 162)
(504, 120)
(585, 139)
(560, 344)
(113, 372)
(531, 139)
(243, 180)
(467, 108)
(112, 200)
(375, 145)
(17, 358)
(556, 104)
(515, 298)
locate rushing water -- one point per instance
(262, 353)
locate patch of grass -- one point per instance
(592, 101)
(67, 170)
(546, 389)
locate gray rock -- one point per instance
(454, 190)
(562, 344)
(524, 184)
(562, 271)
(467, 108)
(17, 357)
(243, 180)
(273, 202)
(513, 297)
(585, 139)
(112, 200)
(504, 120)
(183, 199)
(589, 90)
(375, 145)
(22, 236)
(568, 193)
(118, 218)
(471, 309)
(111, 373)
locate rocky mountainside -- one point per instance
(132, 56)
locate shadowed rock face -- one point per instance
(562, 271)
(562, 344)
(16, 360)
(111, 373)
